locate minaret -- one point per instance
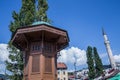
(108, 48)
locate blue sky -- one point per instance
(83, 19)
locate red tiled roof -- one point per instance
(61, 65)
(71, 76)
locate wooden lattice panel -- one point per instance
(36, 63)
(26, 78)
(48, 64)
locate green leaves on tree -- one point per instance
(94, 62)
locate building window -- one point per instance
(48, 47)
(58, 72)
(58, 78)
(35, 63)
(64, 72)
(36, 46)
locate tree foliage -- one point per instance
(27, 12)
(41, 11)
(90, 63)
(94, 62)
(25, 17)
(98, 63)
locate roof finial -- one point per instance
(103, 32)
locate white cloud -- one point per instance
(2, 68)
(117, 58)
(103, 55)
(3, 52)
(3, 56)
(73, 54)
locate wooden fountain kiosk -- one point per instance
(40, 44)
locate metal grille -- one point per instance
(48, 47)
(48, 64)
(36, 47)
(35, 63)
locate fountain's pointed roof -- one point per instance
(29, 33)
(40, 22)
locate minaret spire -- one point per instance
(108, 48)
(103, 31)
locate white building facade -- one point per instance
(62, 72)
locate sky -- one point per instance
(83, 19)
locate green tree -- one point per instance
(15, 66)
(27, 12)
(90, 63)
(98, 62)
(42, 8)
(23, 18)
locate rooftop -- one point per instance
(40, 22)
(61, 65)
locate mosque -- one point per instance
(113, 64)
